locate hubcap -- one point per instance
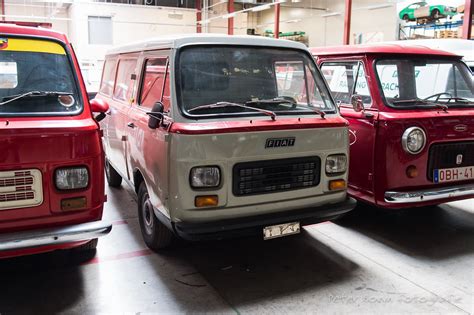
(147, 213)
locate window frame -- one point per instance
(412, 107)
(115, 60)
(143, 76)
(119, 60)
(183, 112)
(69, 53)
(360, 65)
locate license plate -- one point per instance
(281, 230)
(453, 174)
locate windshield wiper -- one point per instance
(422, 101)
(12, 98)
(460, 100)
(230, 104)
(288, 100)
(275, 100)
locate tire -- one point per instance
(113, 177)
(435, 14)
(406, 18)
(155, 234)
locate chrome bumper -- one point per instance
(61, 235)
(429, 194)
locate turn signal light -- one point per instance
(206, 201)
(412, 172)
(72, 204)
(337, 184)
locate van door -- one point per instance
(122, 98)
(346, 78)
(148, 147)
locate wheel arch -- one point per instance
(138, 178)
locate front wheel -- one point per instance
(406, 18)
(113, 177)
(155, 234)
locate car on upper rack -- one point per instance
(223, 136)
(411, 117)
(424, 10)
(51, 156)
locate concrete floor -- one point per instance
(376, 263)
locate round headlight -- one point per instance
(413, 140)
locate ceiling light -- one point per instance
(331, 14)
(229, 15)
(293, 21)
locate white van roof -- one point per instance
(177, 41)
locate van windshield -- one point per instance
(417, 83)
(36, 79)
(236, 81)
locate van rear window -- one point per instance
(36, 78)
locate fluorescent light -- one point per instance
(292, 21)
(331, 14)
(204, 22)
(379, 6)
(261, 7)
(229, 15)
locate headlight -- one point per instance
(336, 164)
(205, 177)
(413, 140)
(71, 178)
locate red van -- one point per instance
(411, 116)
(51, 155)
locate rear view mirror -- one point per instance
(99, 106)
(357, 104)
(156, 115)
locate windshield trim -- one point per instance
(185, 113)
(412, 107)
(78, 86)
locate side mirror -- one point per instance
(99, 106)
(156, 115)
(357, 104)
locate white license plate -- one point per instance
(453, 174)
(281, 230)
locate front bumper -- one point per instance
(429, 194)
(54, 236)
(254, 225)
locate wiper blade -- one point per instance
(230, 104)
(12, 98)
(460, 100)
(288, 100)
(422, 101)
(275, 100)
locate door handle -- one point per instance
(131, 125)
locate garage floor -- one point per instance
(421, 261)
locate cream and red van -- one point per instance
(223, 136)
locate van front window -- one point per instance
(36, 79)
(234, 81)
(416, 83)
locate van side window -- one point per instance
(124, 85)
(346, 79)
(154, 85)
(108, 77)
